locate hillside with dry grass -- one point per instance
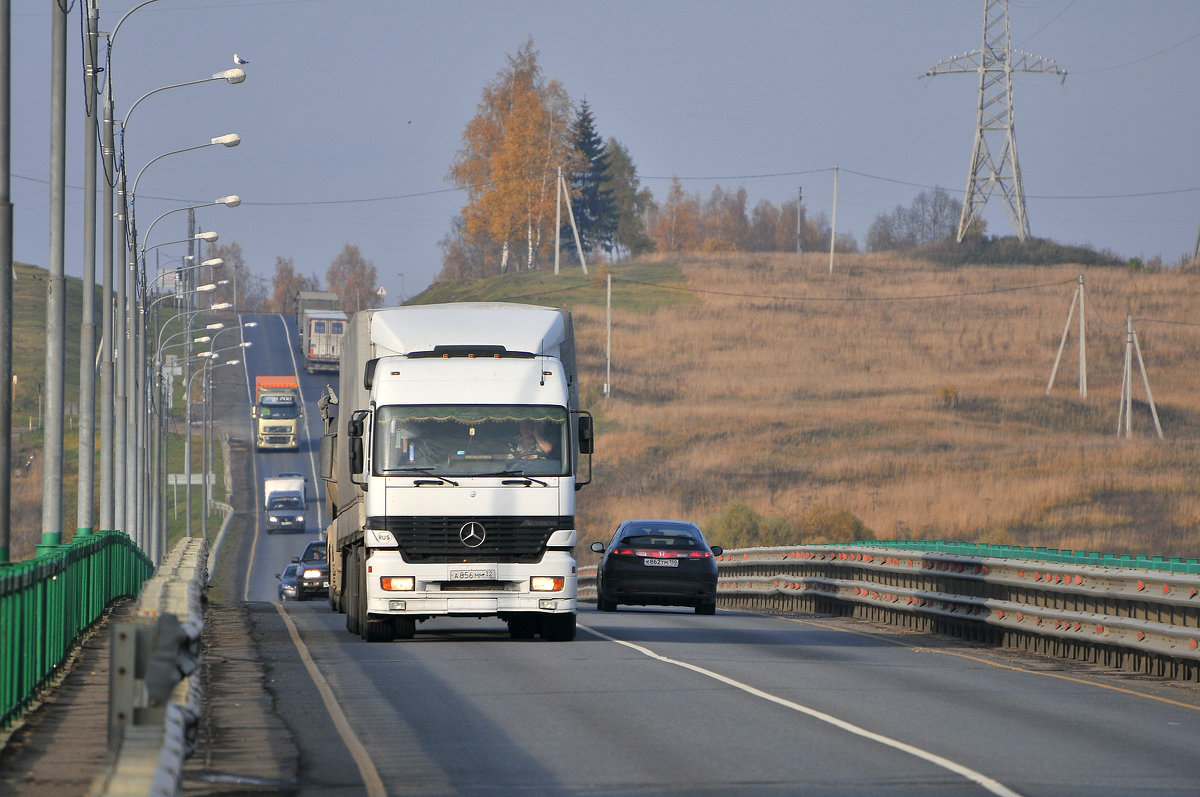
(775, 402)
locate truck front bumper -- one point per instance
(478, 589)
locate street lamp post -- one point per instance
(142, 497)
(116, 498)
(136, 492)
(187, 457)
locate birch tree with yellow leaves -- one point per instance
(509, 159)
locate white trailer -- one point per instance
(321, 334)
(452, 464)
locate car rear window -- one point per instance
(664, 539)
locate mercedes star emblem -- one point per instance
(472, 534)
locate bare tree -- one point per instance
(286, 283)
(352, 277)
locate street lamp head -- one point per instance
(232, 76)
(221, 306)
(250, 325)
(207, 235)
(216, 326)
(245, 344)
(212, 286)
(215, 262)
(231, 201)
(229, 140)
(202, 339)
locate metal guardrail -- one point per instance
(154, 679)
(48, 601)
(1093, 607)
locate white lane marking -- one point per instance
(992, 785)
(366, 768)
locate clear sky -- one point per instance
(353, 111)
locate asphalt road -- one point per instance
(649, 701)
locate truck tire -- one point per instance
(404, 627)
(350, 599)
(378, 629)
(558, 627)
(523, 626)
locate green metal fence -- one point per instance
(47, 602)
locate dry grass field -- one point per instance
(911, 396)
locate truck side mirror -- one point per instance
(587, 443)
(327, 452)
(354, 430)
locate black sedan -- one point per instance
(287, 582)
(657, 563)
(312, 572)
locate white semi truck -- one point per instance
(452, 458)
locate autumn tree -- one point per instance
(676, 226)
(726, 227)
(592, 200)
(352, 277)
(511, 151)
(631, 203)
(245, 290)
(287, 283)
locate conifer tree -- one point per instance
(595, 213)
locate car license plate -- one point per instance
(661, 562)
(475, 574)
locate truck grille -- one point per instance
(438, 540)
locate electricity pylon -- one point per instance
(995, 62)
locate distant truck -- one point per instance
(276, 413)
(321, 323)
(321, 333)
(451, 467)
(283, 503)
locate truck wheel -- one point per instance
(523, 626)
(404, 627)
(558, 627)
(378, 629)
(350, 595)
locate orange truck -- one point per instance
(277, 413)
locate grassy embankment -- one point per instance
(777, 403)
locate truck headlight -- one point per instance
(299, 518)
(273, 519)
(397, 583)
(546, 583)
(312, 572)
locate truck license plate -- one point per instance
(661, 562)
(474, 574)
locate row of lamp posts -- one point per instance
(132, 484)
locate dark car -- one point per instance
(657, 563)
(285, 512)
(312, 573)
(287, 582)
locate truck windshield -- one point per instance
(472, 440)
(285, 503)
(278, 412)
